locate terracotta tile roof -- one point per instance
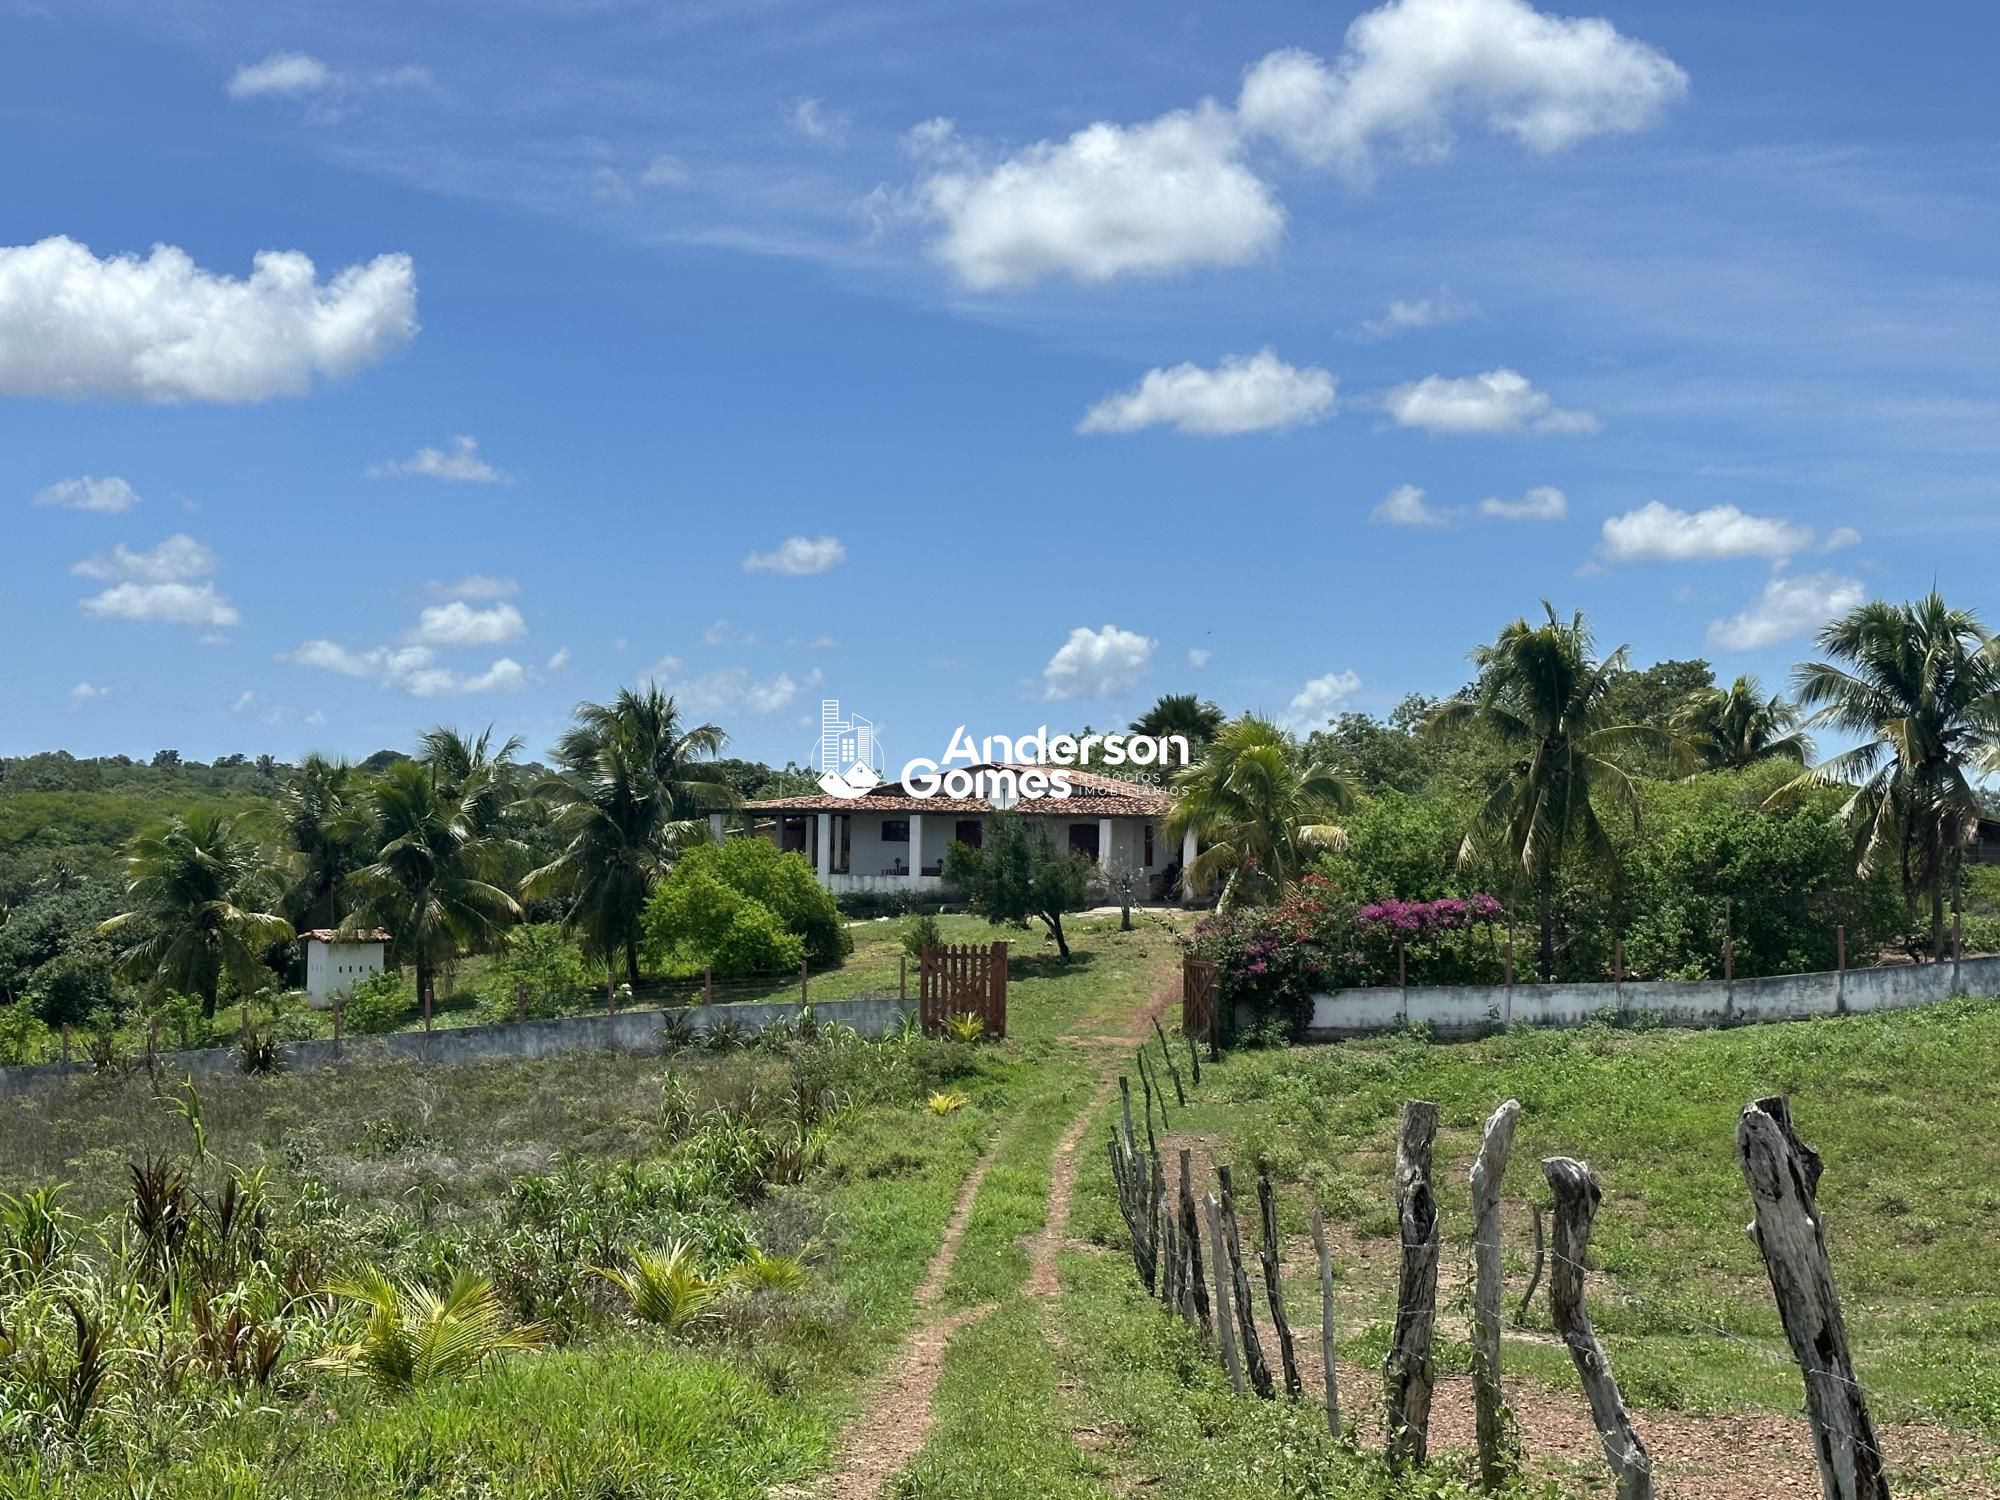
(335, 935)
(1091, 795)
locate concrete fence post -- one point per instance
(1840, 969)
(902, 976)
(1509, 1017)
(803, 983)
(65, 1041)
(337, 1008)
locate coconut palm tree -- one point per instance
(431, 881)
(200, 892)
(1737, 726)
(1260, 807)
(1541, 692)
(633, 787)
(321, 813)
(480, 774)
(1921, 684)
(1193, 719)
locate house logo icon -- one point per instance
(848, 757)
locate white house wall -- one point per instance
(335, 968)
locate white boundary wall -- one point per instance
(1474, 1010)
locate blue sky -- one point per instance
(918, 354)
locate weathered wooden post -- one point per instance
(1225, 1335)
(902, 976)
(1326, 1350)
(1488, 1169)
(803, 980)
(427, 1009)
(1173, 1071)
(1239, 1280)
(243, 1023)
(520, 1002)
(65, 1041)
(1194, 1291)
(338, 1006)
(1274, 1291)
(1577, 1197)
(1534, 1272)
(1407, 1373)
(1783, 1175)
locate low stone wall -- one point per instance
(1470, 1010)
(629, 1031)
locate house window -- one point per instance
(792, 835)
(1148, 861)
(895, 830)
(969, 832)
(1083, 840)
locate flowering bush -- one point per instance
(1271, 960)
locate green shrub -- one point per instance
(381, 1002)
(698, 919)
(783, 883)
(921, 932)
(23, 1037)
(541, 964)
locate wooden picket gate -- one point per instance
(960, 978)
(1200, 980)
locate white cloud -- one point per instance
(559, 660)
(459, 624)
(1659, 533)
(1198, 657)
(665, 170)
(1496, 402)
(478, 586)
(84, 692)
(1418, 312)
(798, 556)
(87, 492)
(163, 329)
(722, 633)
(409, 669)
(813, 120)
(1105, 663)
(1788, 608)
(176, 560)
(1246, 393)
(1405, 506)
(1409, 69)
(1112, 200)
(288, 75)
(196, 604)
(1839, 537)
(1316, 702)
(1542, 503)
(726, 691)
(460, 463)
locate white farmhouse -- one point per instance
(336, 961)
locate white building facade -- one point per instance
(337, 961)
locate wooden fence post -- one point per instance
(1173, 1071)
(1225, 1336)
(1783, 1172)
(1488, 1168)
(902, 976)
(1239, 1280)
(427, 1010)
(1577, 1197)
(1534, 1272)
(1194, 1290)
(520, 1002)
(1407, 1372)
(338, 1007)
(65, 1041)
(1274, 1291)
(243, 1024)
(1326, 1351)
(803, 982)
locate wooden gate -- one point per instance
(1199, 982)
(962, 978)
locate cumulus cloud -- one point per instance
(408, 669)
(459, 624)
(558, 660)
(1789, 607)
(798, 556)
(813, 120)
(1542, 503)
(1176, 192)
(164, 329)
(1405, 505)
(665, 170)
(1410, 70)
(1246, 393)
(726, 691)
(1660, 533)
(1105, 663)
(196, 604)
(88, 492)
(179, 558)
(1317, 701)
(1497, 402)
(1198, 657)
(1146, 199)
(84, 692)
(285, 75)
(478, 586)
(1417, 312)
(460, 463)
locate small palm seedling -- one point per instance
(414, 1335)
(965, 1027)
(946, 1104)
(763, 1271)
(666, 1287)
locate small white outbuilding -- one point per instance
(337, 961)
